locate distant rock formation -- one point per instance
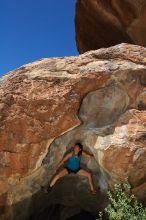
(104, 23)
(98, 98)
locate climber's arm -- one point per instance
(63, 160)
(87, 154)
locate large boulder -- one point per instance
(97, 98)
(102, 23)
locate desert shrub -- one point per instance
(123, 205)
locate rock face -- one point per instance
(98, 98)
(102, 23)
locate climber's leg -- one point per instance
(88, 175)
(58, 176)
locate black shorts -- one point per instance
(72, 171)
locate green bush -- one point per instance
(123, 205)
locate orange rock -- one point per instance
(103, 91)
(107, 23)
(140, 192)
(123, 155)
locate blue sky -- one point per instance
(34, 29)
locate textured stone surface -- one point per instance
(97, 98)
(122, 153)
(102, 23)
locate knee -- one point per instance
(57, 176)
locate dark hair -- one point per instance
(80, 146)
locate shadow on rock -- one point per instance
(69, 199)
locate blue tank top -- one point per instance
(73, 162)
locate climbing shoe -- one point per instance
(49, 188)
(93, 192)
(46, 189)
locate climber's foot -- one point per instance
(49, 188)
(46, 189)
(93, 191)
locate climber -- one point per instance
(73, 166)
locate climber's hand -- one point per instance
(69, 146)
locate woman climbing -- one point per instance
(73, 166)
